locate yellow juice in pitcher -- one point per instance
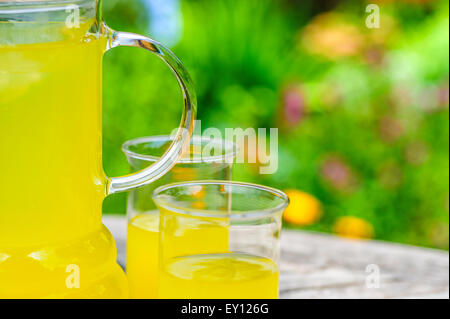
(219, 276)
(182, 236)
(53, 182)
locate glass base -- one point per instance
(85, 268)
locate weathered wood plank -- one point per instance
(322, 266)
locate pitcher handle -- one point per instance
(182, 137)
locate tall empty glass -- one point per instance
(219, 240)
(206, 159)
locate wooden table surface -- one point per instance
(317, 265)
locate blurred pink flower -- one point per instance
(443, 95)
(338, 174)
(293, 106)
(374, 55)
(434, 98)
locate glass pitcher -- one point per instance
(52, 241)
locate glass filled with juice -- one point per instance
(205, 159)
(242, 263)
(52, 241)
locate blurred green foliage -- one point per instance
(362, 113)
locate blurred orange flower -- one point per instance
(353, 227)
(304, 209)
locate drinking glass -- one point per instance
(219, 240)
(52, 241)
(205, 159)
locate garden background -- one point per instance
(362, 113)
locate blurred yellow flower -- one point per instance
(332, 36)
(335, 35)
(353, 227)
(304, 209)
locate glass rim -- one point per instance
(33, 4)
(228, 145)
(232, 214)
